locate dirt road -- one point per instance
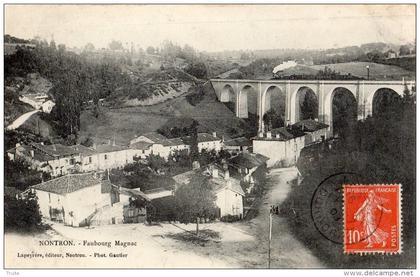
(21, 119)
(286, 250)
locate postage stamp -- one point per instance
(372, 219)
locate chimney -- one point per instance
(269, 134)
(214, 135)
(109, 142)
(303, 127)
(260, 134)
(113, 143)
(17, 145)
(227, 175)
(54, 147)
(278, 136)
(94, 146)
(42, 143)
(215, 172)
(32, 153)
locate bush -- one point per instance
(22, 214)
(230, 218)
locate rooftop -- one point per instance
(309, 125)
(140, 145)
(248, 160)
(106, 148)
(201, 137)
(70, 183)
(218, 182)
(241, 141)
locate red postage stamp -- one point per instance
(372, 219)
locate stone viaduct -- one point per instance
(364, 91)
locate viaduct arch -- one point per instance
(363, 91)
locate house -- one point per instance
(237, 145)
(205, 141)
(228, 191)
(153, 143)
(282, 145)
(159, 144)
(248, 167)
(314, 131)
(56, 159)
(73, 199)
(34, 99)
(140, 149)
(110, 156)
(391, 54)
(47, 106)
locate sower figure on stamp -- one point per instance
(366, 214)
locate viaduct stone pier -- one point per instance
(363, 91)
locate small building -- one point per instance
(56, 159)
(159, 144)
(34, 99)
(73, 199)
(314, 131)
(248, 167)
(140, 149)
(47, 106)
(237, 145)
(205, 141)
(110, 156)
(228, 191)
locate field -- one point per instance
(376, 71)
(123, 124)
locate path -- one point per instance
(286, 250)
(20, 120)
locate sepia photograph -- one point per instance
(209, 136)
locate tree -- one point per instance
(309, 106)
(115, 45)
(150, 50)
(89, 47)
(156, 162)
(193, 130)
(198, 70)
(195, 200)
(404, 50)
(68, 105)
(22, 214)
(273, 120)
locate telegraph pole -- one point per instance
(270, 225)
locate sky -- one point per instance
(215, 27)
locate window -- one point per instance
(49, 197)
(105, 157)
(90, 159)
(72, 161)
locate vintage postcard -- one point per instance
(209, 136)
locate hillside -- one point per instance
(358, 69)
(31, 84)
(376, 71)
(123, 124)
(153, 88)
